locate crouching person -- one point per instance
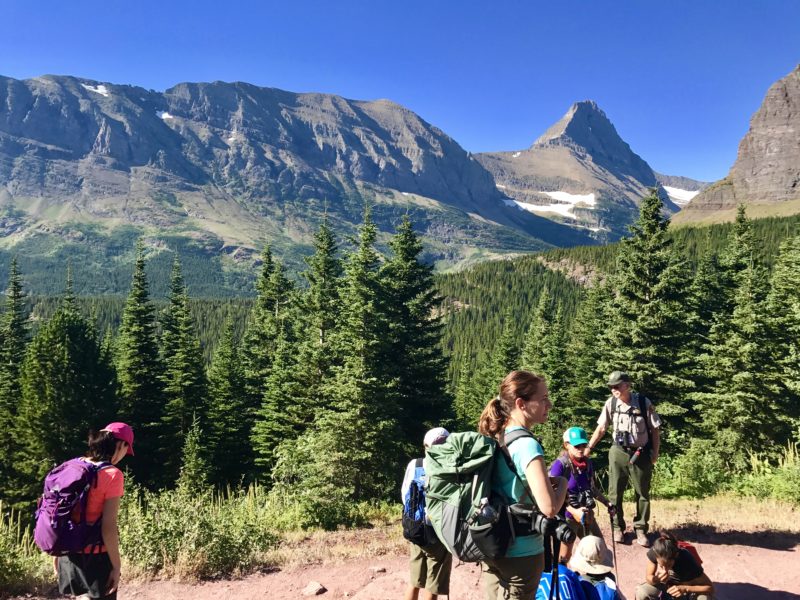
(674, 572)
(429, 560)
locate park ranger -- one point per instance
(635, 430)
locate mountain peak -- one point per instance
(583, 121)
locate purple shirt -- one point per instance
(576, 482)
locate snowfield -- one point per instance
(164, 115)
(566, 202)
(679, 196)
(100, 89)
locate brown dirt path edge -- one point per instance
(743, 566)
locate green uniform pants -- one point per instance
(620, 472)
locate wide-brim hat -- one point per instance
(592, 556)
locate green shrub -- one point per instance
(780, 481)
(195, 534)
(697, 473)
(23, 567)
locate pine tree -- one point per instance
(184, 377)
(258, 345)
(68, 387)
(783, 322)
(140, 372)
(193, 478)
(647, 315)
(415, 358)
(533, 358)
(280, 417)
(228, 427)
(13, 340)
(740, 411)
(349, 454)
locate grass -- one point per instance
(725, 513)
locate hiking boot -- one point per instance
(619, 536)
(641, 538)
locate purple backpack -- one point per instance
(66, 488)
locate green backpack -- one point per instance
(467, 517)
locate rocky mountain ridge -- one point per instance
(232, 166)
(579, 171)
(766, 173)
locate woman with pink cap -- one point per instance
(95, 572)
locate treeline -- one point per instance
(712, 337)
(327, 386)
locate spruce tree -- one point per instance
(646, 328)
(258, 345)
(533, 352)
(193, 478)
(349, 454)
(140, 372)
(415, 359)
(13, 340)
(68, 387)
(228, 437)
(184, 377)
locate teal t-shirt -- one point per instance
(522, 451)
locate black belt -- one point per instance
(628, 450)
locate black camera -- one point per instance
(624, 439)
(582, 499)
(556, 527)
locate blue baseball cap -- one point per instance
(575, 436)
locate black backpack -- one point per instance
(416, 528)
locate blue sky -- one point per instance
(679, 79)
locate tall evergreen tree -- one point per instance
(350, 452)
(68, 387)
(258, 345)
(140, 372)
(533, 351)
(646, 329)
(184, 377)
(13, 340)
(415, 359)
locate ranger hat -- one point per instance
(618, 377)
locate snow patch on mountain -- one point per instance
(564, 207)
(100, 89)
(164, 115)
(679, 196)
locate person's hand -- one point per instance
(676, 591)
(55, 566)
(612, 510)
(654, 457)
(113, 581)
(662, 576)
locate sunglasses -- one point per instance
(616, 387)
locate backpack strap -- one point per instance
(642, 401)
(418, 463)
(504, 442)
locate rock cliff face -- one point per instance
(579, 171)
(767, 167)
(235, 165)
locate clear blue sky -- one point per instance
(680, 79)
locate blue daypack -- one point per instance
(569, 585)
(602, 590)
(416, 527)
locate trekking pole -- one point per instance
(613, 545)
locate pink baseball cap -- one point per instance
(122, 431)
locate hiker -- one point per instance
(592, 561)
(429, 564)
(582, 494)
(673, 571)
(522, 402)
(636, 441)
(95, 572)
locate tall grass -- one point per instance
(23, 567)
(196, 534)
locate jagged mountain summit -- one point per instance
(230, 166)
(579, 171)
(766, 174)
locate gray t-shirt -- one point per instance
(628, 418)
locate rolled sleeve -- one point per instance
(604, 420)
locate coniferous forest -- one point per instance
(320, 387)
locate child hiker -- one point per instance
(582, 494)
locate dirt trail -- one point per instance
(743, 566)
